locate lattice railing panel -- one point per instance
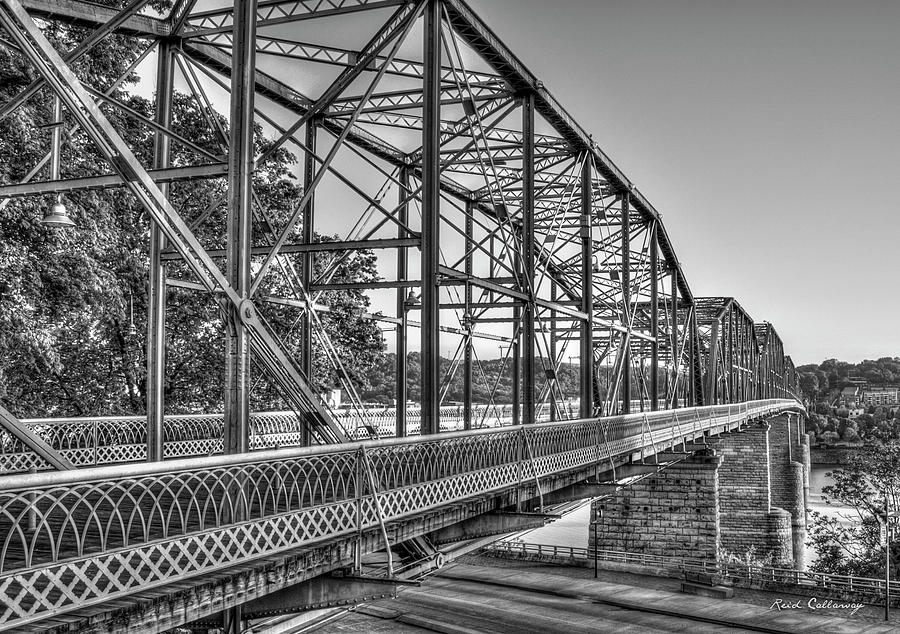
(74, 538)
(119, 439)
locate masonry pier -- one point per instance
(742, 494)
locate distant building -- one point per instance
(881, 396)
(850, 397)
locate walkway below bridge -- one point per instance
(492, 596)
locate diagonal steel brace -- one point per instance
(31, 440)
(66, 85)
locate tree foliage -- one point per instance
(817, 380)
(850, 540)
(492, 380)
(830, 425)
(73, 302)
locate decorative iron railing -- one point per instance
(91, 441)
(729, 572)
(82, 537)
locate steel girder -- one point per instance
(730, 350)
(741, 359)
(503, 193)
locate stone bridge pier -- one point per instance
(741, 492)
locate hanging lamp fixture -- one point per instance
(57, 216)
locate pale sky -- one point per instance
(765, 132)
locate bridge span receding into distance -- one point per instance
(481, 214)
(76, 542)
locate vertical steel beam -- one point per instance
(586, 353)
(516, 361)
(430, 333)
(553, 352)
(747, 361)
(240, 183)
(156, 300)
(732, 355)
(654, 317)
(308, 222)
(696, 386)
(402, 308)
(308, 262)
(742, 358)
(626, 303)
(673, 331)
(713, 365)
(56, 139)
(528, 336)
(231, 620)
(469, 325)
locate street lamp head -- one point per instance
(412, 299)
(57, 216)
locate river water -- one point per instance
(572, 529)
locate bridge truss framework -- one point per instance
(501, 216)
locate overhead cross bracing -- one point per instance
(448, 134)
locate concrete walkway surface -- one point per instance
(727, 613)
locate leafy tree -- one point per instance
(73, 302)
(809, 384)
(823, 381)
(851, 543)
(66, 342)
(850, 435)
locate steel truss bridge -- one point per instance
(499, 218)
(75, 543)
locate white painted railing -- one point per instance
(92, 441)
(70, 539)
(735, 572)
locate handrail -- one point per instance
(99, 440)
(93, 441)
(107, 472)
(725, 569)
(65, 537)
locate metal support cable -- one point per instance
(377, 499)
(534, 471)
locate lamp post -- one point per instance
(56, 216)
(501, 411)
(887, 554)
(568, 398)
